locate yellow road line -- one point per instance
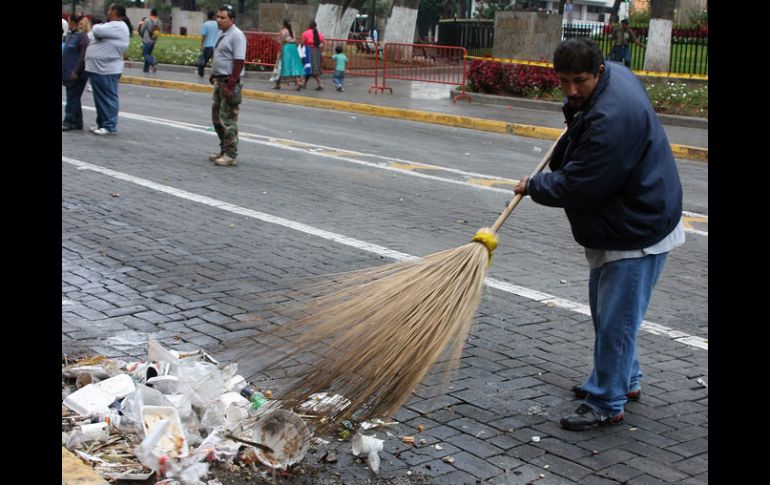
(412, 166)
(492, 182)
(688, 220)
(540, 132)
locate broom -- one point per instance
(374, 334)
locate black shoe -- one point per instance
(586, 418)
(632, 395)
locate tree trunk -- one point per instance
(561, 6)
(401, 22)
(334, 17)
(614, 14)
(662, 9)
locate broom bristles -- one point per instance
(378, 331)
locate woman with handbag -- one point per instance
(291, 65)
(314, 42)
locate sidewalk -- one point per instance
(431, 99)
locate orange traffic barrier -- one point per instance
(425, 63)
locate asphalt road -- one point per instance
(148, 222)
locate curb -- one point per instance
(541, 132)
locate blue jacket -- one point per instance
(73, 56)
(613, 171)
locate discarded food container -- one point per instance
(89, 400)
(284, 432)
(174, 442)
(119, 386)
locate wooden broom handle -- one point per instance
(517, 198)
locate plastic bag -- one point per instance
(276, 72)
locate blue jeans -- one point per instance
(105, 88)
(149, 60)
(338, 78)
(618, 293)
(621, 53)
(73, 113)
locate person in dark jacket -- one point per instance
(614, 174)
(73, 75)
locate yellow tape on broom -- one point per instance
(488, 239)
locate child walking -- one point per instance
(340, 60)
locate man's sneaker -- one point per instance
(586, 418)
(225, 161)
(104, 131)
(632, 395)
(93, 128)
(213, 157)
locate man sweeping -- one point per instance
(614, 174)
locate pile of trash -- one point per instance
(176, 413)
(172, 414)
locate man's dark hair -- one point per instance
(229, 9)
(579, 54)
(624, 21)
(154, 11)
(211, 14)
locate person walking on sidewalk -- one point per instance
(226, 72)
(149, 29)
(314, 42)
(340, 60)
(291, 64)
(104, 65)
(73, 75)
(614, 175)
(209, 33)
(621, 51)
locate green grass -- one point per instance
(679, 98)
(168, 50)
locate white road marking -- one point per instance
(521, 291)
(329, 152)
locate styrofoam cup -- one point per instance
(363, 444)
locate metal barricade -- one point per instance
(425, 63)
(262, 48)
(360, 53)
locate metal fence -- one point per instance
(475, 35)
(689, 47)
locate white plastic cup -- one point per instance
(235, 406)
(363, 444)
(369, 446)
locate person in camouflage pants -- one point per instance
(224, 114)
(226, 71)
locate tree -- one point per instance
(662, 9)
(614, 13)
(428, 15)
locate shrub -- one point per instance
(512, 79)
